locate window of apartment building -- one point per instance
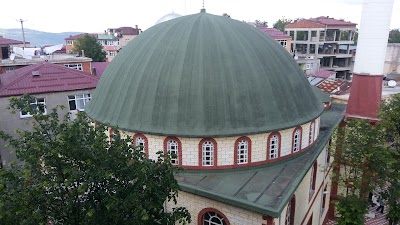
(207, 152)
(10, 68)
(313, 177)
(310, 66)
(242, 151)
(77, 66)
(283, 42)
(296, 140)
(273, 146)
(37, 104)
(111, 53)
(70, 42)
(78, 102)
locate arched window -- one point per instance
(141, 141)
(242, 153)
(208, 152)
(312, 180)
(297, 140)
(274, 143)
(210, 216)
(312, 133)
(173, 146)
(290, 211)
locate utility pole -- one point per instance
(23, 33)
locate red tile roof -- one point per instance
(73, 37)
(52, 78)
(324, 73)
(321, 22)
(274, 33)
(337, 87)
(127, 31)
(6, 41)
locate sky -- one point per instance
(96, 16)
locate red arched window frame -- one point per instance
(235, 154)
(291, 208)
(215, 152)
(269, 146)
(146, 143)
(166, 140)
(201, 214)
(300, 139)
(311, 134)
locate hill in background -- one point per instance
(37, 38)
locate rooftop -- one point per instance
(264, 189)
(55, 58)
(6, 41)
(44, 78)
(321, 22)
(73, 37)
(274, 33)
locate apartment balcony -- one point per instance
(336, 68)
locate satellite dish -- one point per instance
(392, 83)
(12, 56)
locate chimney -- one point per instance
(137, 27)
(366, 88)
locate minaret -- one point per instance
(366, 88)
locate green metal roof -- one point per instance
(264, 189)
(203, 76)
(321, 95)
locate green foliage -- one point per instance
(394, 36)
(351, 210)
(73, 176)
(281, 23)
(362, 159)
(390, 123)
(91, 48)
(261, 23)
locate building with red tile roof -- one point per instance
(7, 44)
(329, 39)
(284, 39)
(51, 85)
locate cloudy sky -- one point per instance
(96, 16)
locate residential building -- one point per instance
(51, 85)
(112, 40)
(392, 60)
(6, 46)
(67, 60)
(244, 122)
(327, 39)
(279, 36)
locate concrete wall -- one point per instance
(10, 122)
(392, 59)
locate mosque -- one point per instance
(233, 105)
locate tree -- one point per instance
(390, 122)
(72, 175)
(281, 23)
(361, 159)
(394, 36)
(90, 47)
(261, 23)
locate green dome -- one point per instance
(203, 76)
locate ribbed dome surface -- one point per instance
(203, 76)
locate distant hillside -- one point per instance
(37, 38)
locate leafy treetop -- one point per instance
(90, 47)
